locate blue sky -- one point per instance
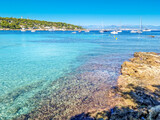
(85, 12)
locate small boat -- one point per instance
(33, 30)
(114, 32)
(79, 31)
(51, 30)
(87, 31)
(146, 30)
(133, 31)
(136, 31)
(101, 31)
(74, 32)
(106, 30)
(23, 30)
(119, 31)
(139, 31)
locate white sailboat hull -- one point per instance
(139, 31)
(133, 31)
(119, 31)
(101, 31)
(114, 32)
(33, 31)
(146, 30)
(87, 31)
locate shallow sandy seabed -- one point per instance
(83, 90)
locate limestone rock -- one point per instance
(142, 70)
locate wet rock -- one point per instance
(154, 113)
(82, 116)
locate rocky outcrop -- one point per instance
(143, 70)
(140, 81)
(139, 89)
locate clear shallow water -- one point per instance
(30, 62)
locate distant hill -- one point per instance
(122, 27)
(18, 23)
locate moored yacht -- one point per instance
(51, 30)
(74, 32)
(114, 32)
(87, 31)
(133, 31)
(101, 31)
(138, 31)
(146, 30)
(119, 31)
(33, 30)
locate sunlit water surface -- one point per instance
(30, 62)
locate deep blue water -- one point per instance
(30, 62)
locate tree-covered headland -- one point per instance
(19, 23)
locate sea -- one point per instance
(59, 74)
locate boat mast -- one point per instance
(140, 23)
(102, 25)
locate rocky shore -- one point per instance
(137, 94)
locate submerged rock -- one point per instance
(136, 96)
(151, 36)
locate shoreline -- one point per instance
(79, 92)
(37, 30)
(137, 94)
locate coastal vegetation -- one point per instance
(19, 23)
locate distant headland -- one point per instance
(9, 23)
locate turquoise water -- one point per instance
(30, 62)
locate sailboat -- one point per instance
(33, 30)
(133, 31)
(146, 30)
(87, 31)
(51, 30)
(101, 31)
(114, 32)
(74, 32)
(119, 30)
(138, 31)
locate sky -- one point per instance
(85, 12)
